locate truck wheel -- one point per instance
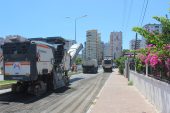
(66, 80)
(14, 87)
(110, 69)
(18, 88)
(96, 70)
(37, 90)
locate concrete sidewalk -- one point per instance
(117, 97)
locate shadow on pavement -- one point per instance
(26, 98)
(75, 79)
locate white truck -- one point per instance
(107, 64)
(90, 66)
(38, 65)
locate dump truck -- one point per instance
(107, 64)
(90, 66)
(38, 64)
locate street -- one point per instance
(77, 98)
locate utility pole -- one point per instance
(135, 44)
(135, 52)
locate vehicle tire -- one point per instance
(110, 69)
(96, 70)
(37, 91)
(14, 87)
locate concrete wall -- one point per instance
(157, 92)
(1, 77)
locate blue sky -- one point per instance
(42, 18)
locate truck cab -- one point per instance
(107, 65)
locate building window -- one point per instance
(117, 38)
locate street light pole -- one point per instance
(75, 25)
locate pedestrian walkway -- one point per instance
(117, 97)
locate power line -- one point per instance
(127, 14)
(144, 12)
(130, 10)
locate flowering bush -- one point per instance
(154, 61)
(142, 57)
(157, 52)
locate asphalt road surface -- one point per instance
(77, 98)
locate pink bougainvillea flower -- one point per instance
(150, 45)
(147, 59)
(142, 57)
(167, 47)
(154, 60)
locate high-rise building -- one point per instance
(93, 45)
(102, 49)
(150, 28)
(133, 42)
(106, 50)
(99, 49)
(115, 44)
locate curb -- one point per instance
(97, 97)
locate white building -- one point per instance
(93, 45)
(150, 28)
(116, 44)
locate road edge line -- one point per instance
(96, 98)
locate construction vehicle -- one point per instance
(38, 64)
(90, 66)
(107, 64)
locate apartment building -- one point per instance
(133, 42)
(106, 49)
(93, 46)
(150, 28)
(116, 44)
